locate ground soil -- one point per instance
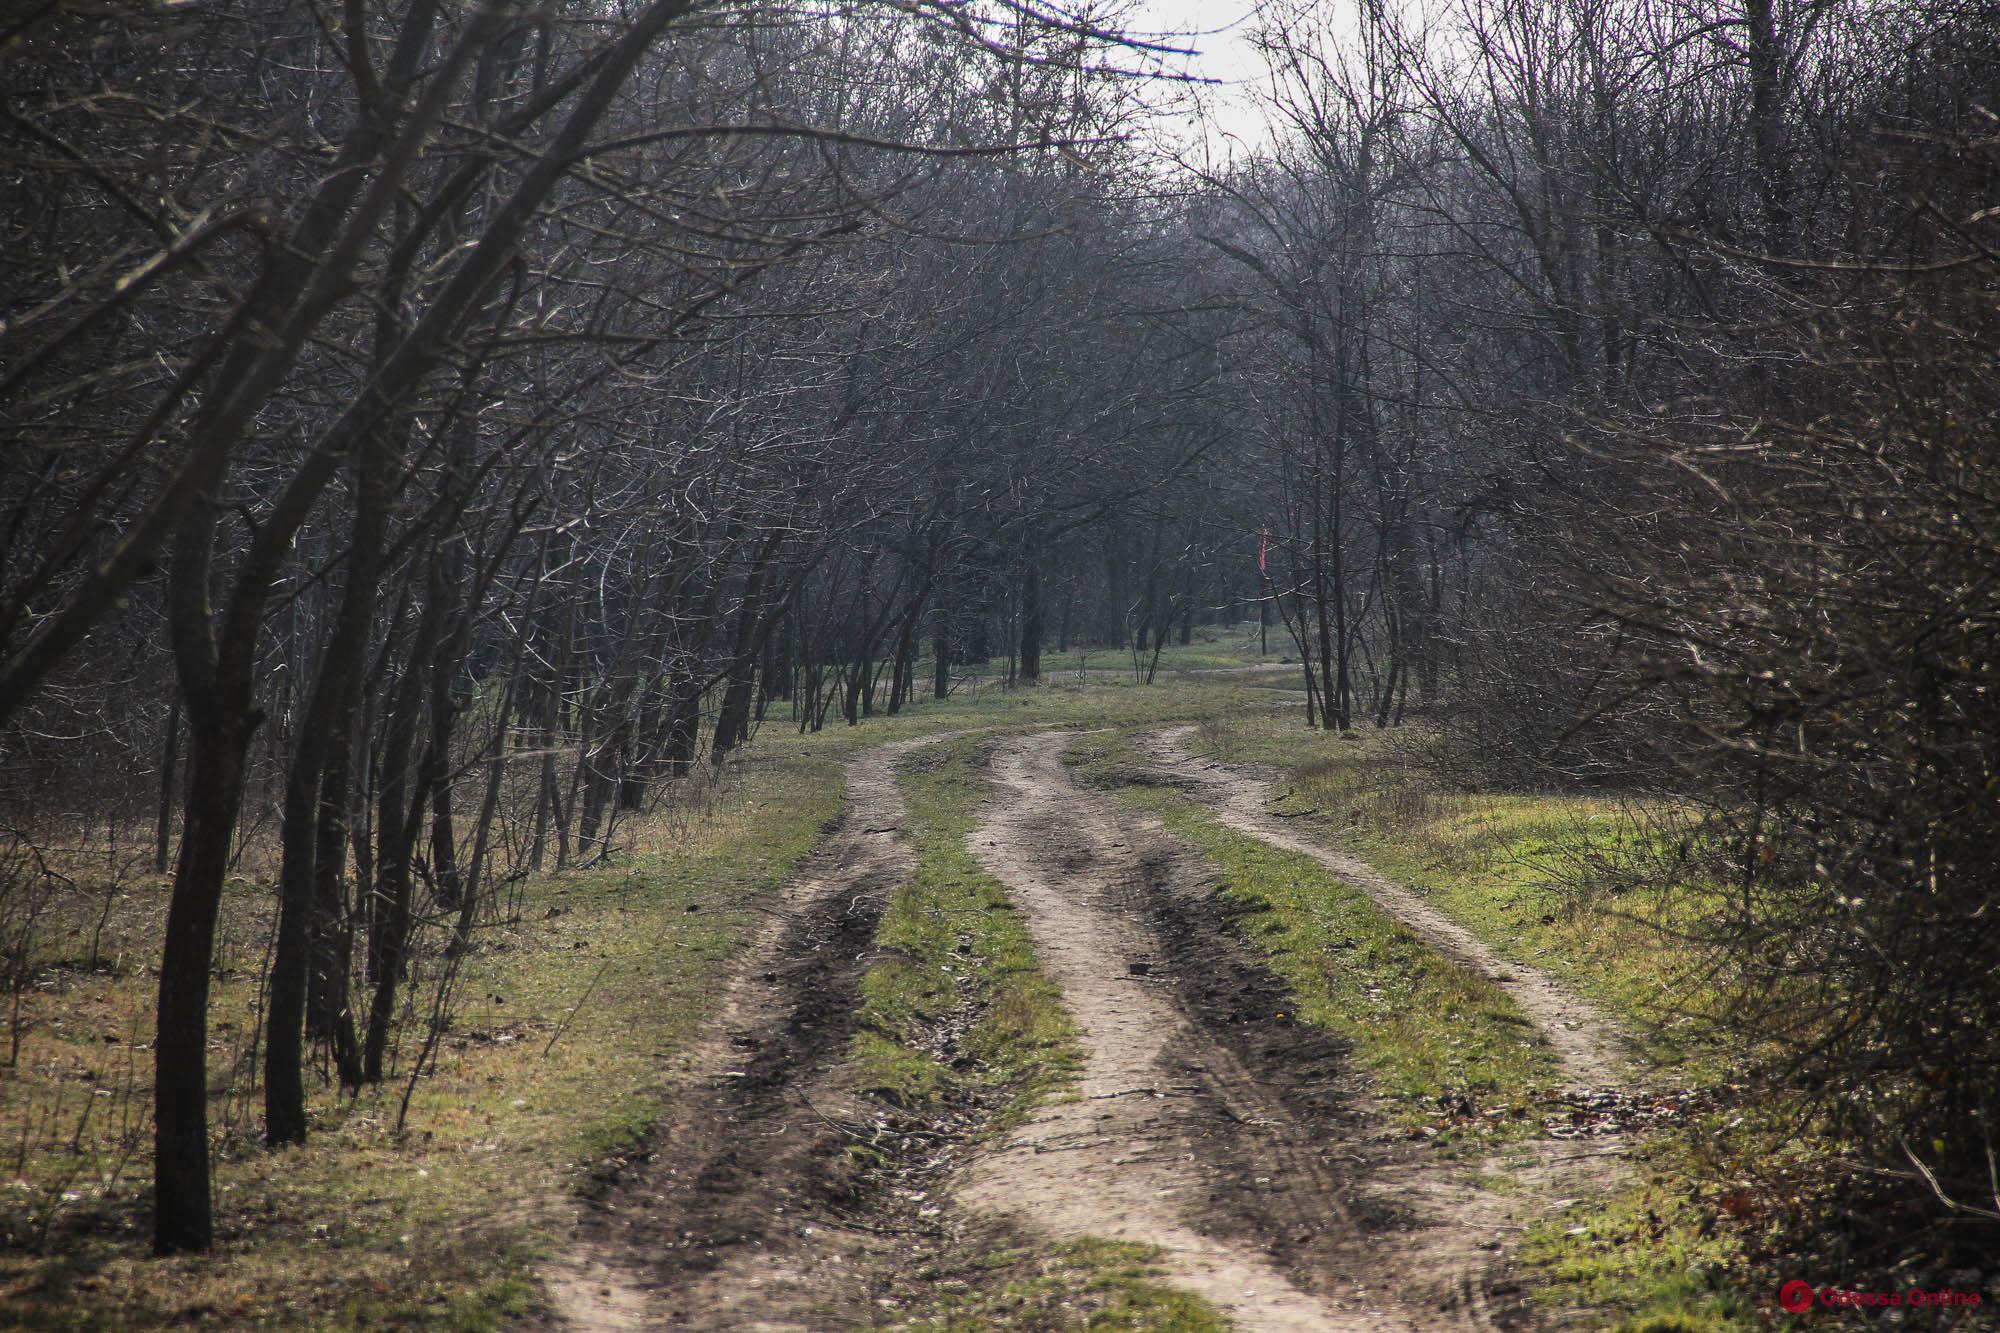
(742, 1213)
(1206, 1121)
(1209, 1122)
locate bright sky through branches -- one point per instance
(1219, 34)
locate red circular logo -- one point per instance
(1796, 1296)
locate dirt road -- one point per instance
(734, 1221)
(1208, 1123)
(1592, 1053)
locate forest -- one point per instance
(498, 498)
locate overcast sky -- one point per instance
(1219, 32)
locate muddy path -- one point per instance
(1206, 1122)
(1594, 1054)
(733, 1216)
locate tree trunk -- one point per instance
(169, 764)
(941, 635)
(329, 714)
(329, 1014)
(181, 1206)
(399, 810)
(1031, 618)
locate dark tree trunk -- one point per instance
(181, 1205)
(169, 769)
(683, 720)
(732, 724)
(399, 812)
(329, 714)
(329, 1015)
(1031, 618)
(941, 639)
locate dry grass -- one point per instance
(566, 1028)
(554, 1061)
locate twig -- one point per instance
(556, 1036)
(1931, 1179)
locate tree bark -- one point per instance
(1031, 617)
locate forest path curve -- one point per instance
(1590, 1046)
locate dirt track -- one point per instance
(1207, 1122)
(734, 1222)
(1131, 1157)
(1590, 1049)
(1210, 1124)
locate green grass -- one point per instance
(1505, 865)
(618, 965)
(1423, 1026)
(1648, 1259)
(1084, 1284)
(954, 944)
(1668, 1254)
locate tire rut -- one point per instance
(730, 1221)
(1592, 1050)
(1206, 1123)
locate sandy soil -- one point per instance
(1208, 1123)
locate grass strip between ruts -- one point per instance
(958, 999)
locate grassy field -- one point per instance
(1213, 648)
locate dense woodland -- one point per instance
(432, 430)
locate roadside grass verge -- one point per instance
(553, 1065)
(1673, 1251)
(1434, 1036)
(954, 948)
(1510, 868)
(1655, 1257)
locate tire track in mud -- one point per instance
(1592, 1050)
(1206, 1123)
(730, 1221)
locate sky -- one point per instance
(1219, 33)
